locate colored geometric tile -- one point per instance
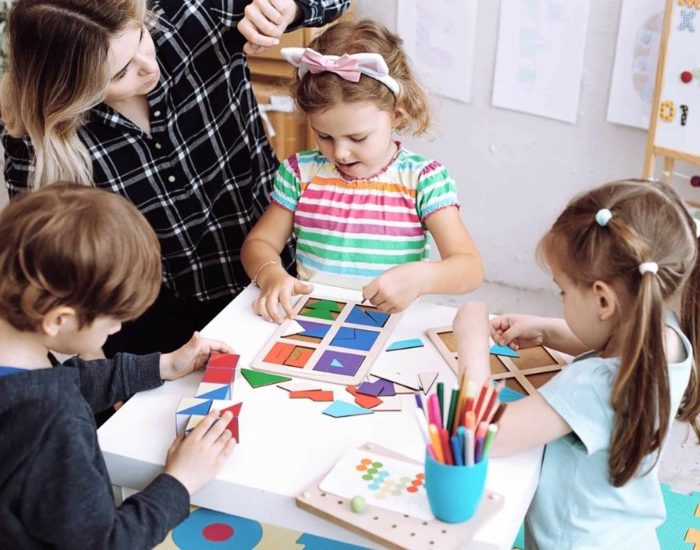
(340, 409)
(405, 344)
(235, 410)
(313, 542)
(278, 353)
(206, 529)
(314, 395)
(503, 350)
(223, 360)
(215, 375)
(363, 400)
(337, 362)
(367, 316)
(213, 391)
(259, 379)
(299, 356)
(354, 338)
(193, 405)
(309, 329)
(322, 309)
(194, 421)
(378, 387)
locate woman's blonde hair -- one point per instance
(318, 92)
(58, 70)
(76, 246)
(649, 224)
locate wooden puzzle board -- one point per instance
(394, 529)
(524, 374)
(327, 340)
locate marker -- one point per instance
(488, 441)
(434, 411)
(478, 449)
(419, 403)
(469, 447)
(445, 442)
(453, 407)
(461, 436)
(431, 452)
(470, 421)
(454, 442)
(437, 446)
(441, 400)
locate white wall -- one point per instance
(516, 171)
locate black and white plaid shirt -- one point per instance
(203, 176)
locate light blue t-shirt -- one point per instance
(575, 505)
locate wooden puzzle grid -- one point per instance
(338, 342)
(393, 529)
(524, 374)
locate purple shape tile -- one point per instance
(337, 362)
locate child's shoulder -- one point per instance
(306, 163)
(418, 165)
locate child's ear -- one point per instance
(58, 318)
(399, 119)
(607, 300)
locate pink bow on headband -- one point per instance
(345, 67)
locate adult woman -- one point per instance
(155, 104)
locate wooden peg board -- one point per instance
(393, 529)
(524, 374)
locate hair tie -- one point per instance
(648, 267)
(347, 67)
(603, 216)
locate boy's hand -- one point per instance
(190, 357)
(265, 21)
(517, 331)
(396, 288)
(277, 288)
(196, 459)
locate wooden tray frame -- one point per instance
(513, 374)
(319, 348)
(393, 529)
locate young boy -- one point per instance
(74, 263)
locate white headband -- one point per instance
(348, 67)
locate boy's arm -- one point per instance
(103, 382)
(67, 499)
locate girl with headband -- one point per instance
(361, 207)
(625, 256)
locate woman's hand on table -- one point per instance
(190, 357)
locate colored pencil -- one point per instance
(454, 442)
(469, 447)
(489, 409)
(437, 445)
(453, 408)
(441, 400)
(499, 413)
(445, 442)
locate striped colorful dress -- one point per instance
(348, 232)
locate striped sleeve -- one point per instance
(435, 190)
(287, 185)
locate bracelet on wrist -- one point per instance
(260, 268)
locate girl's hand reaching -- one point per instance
(277, 290)
(190, 357)
(396, 288)
(195, 460)
(518, 331)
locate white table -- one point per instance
(288, 444)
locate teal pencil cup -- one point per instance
(454, 492)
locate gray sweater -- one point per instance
(54, 486)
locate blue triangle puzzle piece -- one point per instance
(202, 408)
(218, 393)
(336, 363)
(503, 350)
(339, 409)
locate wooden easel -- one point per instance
(674, 132)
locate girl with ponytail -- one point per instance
(625, 256)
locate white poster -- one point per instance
(634, 74)
(540, 56)
(439, 38)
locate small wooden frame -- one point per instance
(393, 529)
(338, 344)
(524, 374)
